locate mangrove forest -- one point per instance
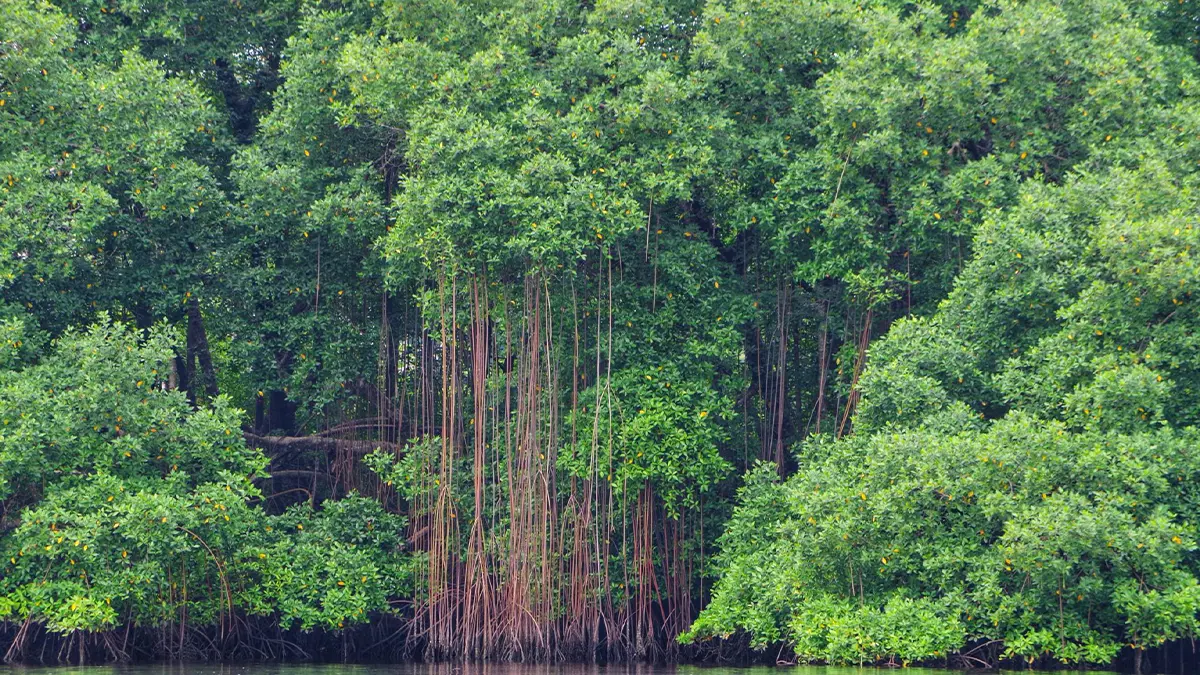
(786, 331)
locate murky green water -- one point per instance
(455, 669)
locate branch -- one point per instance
(316, 444)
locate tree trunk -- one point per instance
(204, 376)
(281, 413)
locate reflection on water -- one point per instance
(454, 669)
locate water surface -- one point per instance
(458, 669)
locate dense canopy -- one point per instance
(844, 331)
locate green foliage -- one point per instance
(410, 473)
(110, 198)
(917, 370)
(576, 266)
(100, 407)
(231, 49)
(1021, 459)
(1023, 533)
(327, 568)
(668, 434)
(133, 506)
(839, 630)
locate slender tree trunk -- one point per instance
(204, 377)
